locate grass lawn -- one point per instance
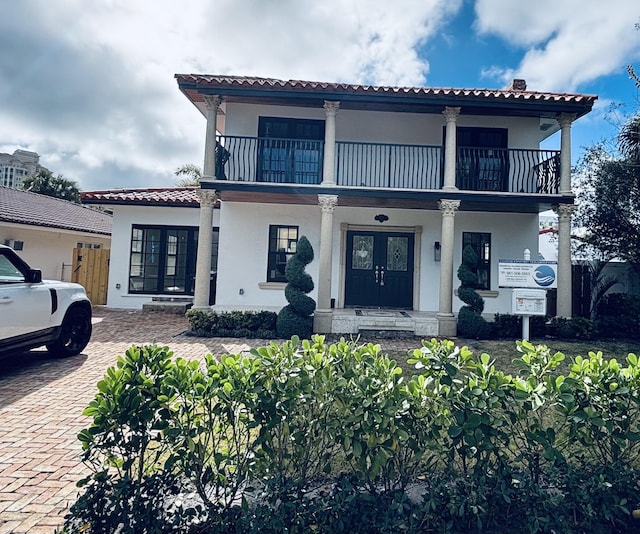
(505, 351)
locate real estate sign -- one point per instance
(528, 274)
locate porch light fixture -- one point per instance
(436, 251)
(381, 217)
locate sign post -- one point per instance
(529, 281)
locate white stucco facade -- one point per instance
(124, 218)
(50, 249)
(242, 263)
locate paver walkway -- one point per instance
(41, 404)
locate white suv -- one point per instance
(36, 312)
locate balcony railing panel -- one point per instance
(387, 165)
(381, 165)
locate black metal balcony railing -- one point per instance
(384, 165)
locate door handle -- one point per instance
(376, 274)
(6, 300)
(382, 275)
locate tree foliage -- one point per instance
(609, 196)
(45, 183)
(190, 175)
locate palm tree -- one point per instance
(629, 139)
(192, 174)
(45, 183)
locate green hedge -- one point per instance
(253, 325)
(311, 437)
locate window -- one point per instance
(163, 259)
(291, 150)
(282, 245)
(481, 243)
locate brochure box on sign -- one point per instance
(529, 302)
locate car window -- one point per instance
(9, 272)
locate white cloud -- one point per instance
(568, 43)
(92, 82)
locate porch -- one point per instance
(385, 165)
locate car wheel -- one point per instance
(74, 334)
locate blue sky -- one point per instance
(90, 87)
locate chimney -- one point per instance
(517, 85)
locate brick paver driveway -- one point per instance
(41, 403)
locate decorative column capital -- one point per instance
(331, 108)
(328, 203)
(208, 198)
(212, 102)
(564, 212)
(565, 119)
(451, 113)
(448, 207)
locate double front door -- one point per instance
(379, 269)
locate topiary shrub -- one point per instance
(470, 320)
(295, 318)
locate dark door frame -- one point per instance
(416, 231)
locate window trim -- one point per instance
(484, 239)
(190, 260)
(271, 254)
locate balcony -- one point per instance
(385, 165)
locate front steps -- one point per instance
(388, 323)
(177, 305)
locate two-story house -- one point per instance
(389, 184)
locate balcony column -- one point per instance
(208, 199)
(446, 319)
(565, 120)
(323, 314)
(451, 116)
(209, 169)
(564, 306)
(329, 162)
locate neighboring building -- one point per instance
(387, 183)
(45, 230)
(14, 168)
(153, 243)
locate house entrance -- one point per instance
(379, 269)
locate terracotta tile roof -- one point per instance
(25, 207)
(161, 196)
(250, 82)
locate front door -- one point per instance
(379, 269)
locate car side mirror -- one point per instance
(34, 276)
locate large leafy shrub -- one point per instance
(310, 437)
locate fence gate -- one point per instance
(91, 270)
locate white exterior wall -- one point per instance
(244, 241)
(124, 217)
(382, 127)
(510, 235)
(49, 249)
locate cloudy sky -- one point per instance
(89, 84)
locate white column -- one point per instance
(565, 120)
(446, 319)
(203, 260)
(450, 149)
(564, 292)
(209, 169)
(323, 314)
(329, 162)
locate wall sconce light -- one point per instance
(437, 249)
(381, 217)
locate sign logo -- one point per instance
(544, 275)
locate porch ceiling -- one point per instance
(261, 193)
